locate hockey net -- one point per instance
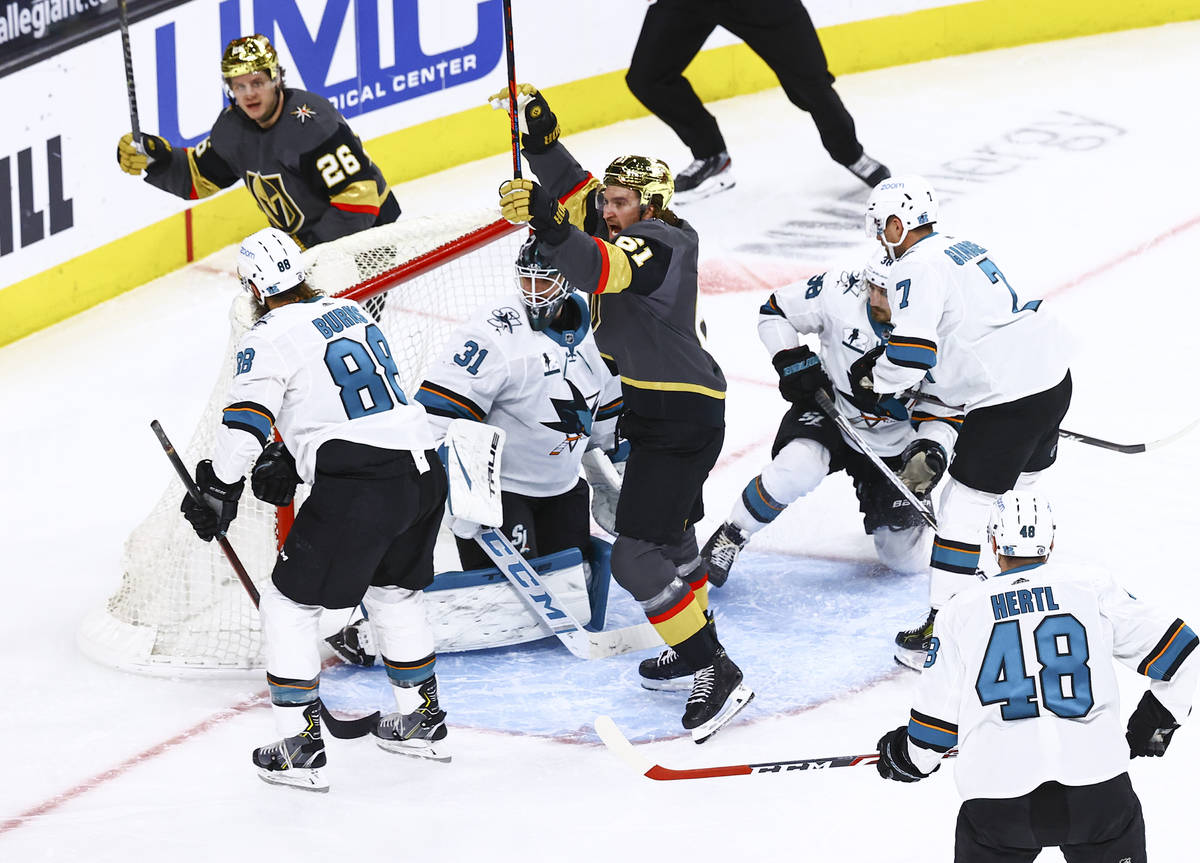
(179, 606)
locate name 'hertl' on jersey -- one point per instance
(316, 370)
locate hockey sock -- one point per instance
(291, 633)
(406, 679)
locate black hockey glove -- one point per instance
(800, 374)
(1150, 728)
(922, 465)
(523, 200)
(220, 508)
(540, 126)
(862, 389)
(273, 478)
(894, 762)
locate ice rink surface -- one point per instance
(1071, 161)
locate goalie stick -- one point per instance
(826, 404)
(620, 746)
(343, 729)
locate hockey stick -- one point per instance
(130, 89)
(511, 53)
(343, 729)
(1127, 448)
(619, 744)
(826, 404)
(553, 614)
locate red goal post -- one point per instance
(178, 607)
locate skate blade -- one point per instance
(304, 778)
(414, 749)
(911, 659)
(737, 700)
(676, 684)
(710, 187)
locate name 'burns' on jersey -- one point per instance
(550, 391)
(316, 370)
(1020, 677)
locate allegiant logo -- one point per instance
(391, 66)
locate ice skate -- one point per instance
(869, 170)
(295, 761)
(912, 645)
(353, 643)
(704, 177)
(414, 734)
(718, 695)
(666, 672)
(721, 551)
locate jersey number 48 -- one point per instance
(1061, 647)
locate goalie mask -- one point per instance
(910, 199)
(543, 288)
(269, 264)
(1021, 525)
(650, 178)
(250, 54)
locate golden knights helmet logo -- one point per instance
(275, 202)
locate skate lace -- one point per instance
(724, 552)
(667, 657)
(695, 168)
(702, 684)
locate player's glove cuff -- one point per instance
(1150, 728)
(894, 762)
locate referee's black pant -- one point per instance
(778, 31)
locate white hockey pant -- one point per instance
(402, 633)
(290, 636)
(794, 472)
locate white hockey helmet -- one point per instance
(878, 271)
(1021, 524)
(269, 263)
(909, 198)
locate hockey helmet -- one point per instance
(1021, 524)
(269, 264)
(648, 177)
(543, 288)
(877, 271)
(250, 54)
(909, 198)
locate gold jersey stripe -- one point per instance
(674, 387)
(202, 187)
(363, 195)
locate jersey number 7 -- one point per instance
(1061, 646)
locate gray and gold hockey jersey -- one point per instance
(308, 173)
(644, 299)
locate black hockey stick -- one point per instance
(826, 404)
(130, 89)
(1127, 448)
(343, 729)
(619, 744)
(511, 53)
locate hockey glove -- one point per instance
(862, 389)
(134, 161)
(894, 762)
(922, 464)
(800, 374)
(536, 122)
(273, 478)
(220, 503)
(1150, 728)
(605, 473)
(525, 201)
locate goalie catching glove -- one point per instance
(134, 161)
(800, 374)
(536, 122)
(523, 200)
(605, 471)
(273, 478)
(213, 517)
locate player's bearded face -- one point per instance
(620, 208)
(256, 94)
(881, 312)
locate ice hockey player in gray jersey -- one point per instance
(1020, 676)
(618, 241)
(318, 370)
(849, 313)
(297, 155)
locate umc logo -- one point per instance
(391, 65)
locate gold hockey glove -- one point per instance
(133, 161)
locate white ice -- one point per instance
(1073, 161)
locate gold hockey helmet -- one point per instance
(649, 177)
(250, 54)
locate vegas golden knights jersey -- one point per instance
(308, 173)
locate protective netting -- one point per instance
(179, 605)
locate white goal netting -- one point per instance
(179, 607)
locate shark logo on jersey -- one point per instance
(505, 319)
(574, 418)
(550, 365)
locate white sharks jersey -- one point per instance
(317, 370)
(986, 341)
(1020, 677)
(833, 306)
(545, 389)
